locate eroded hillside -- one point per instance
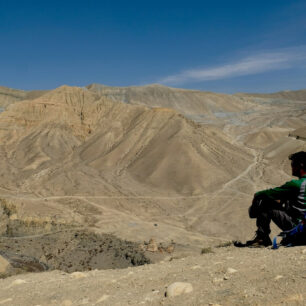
(134, 163)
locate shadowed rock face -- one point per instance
(36, 245)
(20, 263)
(70, 251)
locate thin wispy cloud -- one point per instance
(254, 64)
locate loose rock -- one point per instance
(278, 277)
(18, 282)
(217, 280)
(4, 265)
(103, 298)
(152, 246)
(78, 275)
(178, 288)
(231, 271)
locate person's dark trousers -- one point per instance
(265, 210)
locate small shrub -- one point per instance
(207, 250)
(8, 208)
(224, 244)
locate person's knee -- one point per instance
(256, 208)
(262, 203)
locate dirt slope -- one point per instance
(226, 277)
(299, 133)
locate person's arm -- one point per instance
(289, 190)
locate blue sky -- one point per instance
(222, 46)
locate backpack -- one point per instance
(293, 237)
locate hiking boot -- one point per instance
(259, 242)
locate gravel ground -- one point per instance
(224, 276)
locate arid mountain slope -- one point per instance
(298, 95)
(121, 167)
(156, 147)
(257, 119)
(188, 102)
(9, 95)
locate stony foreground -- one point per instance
(224, 276)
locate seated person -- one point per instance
(284, 205)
